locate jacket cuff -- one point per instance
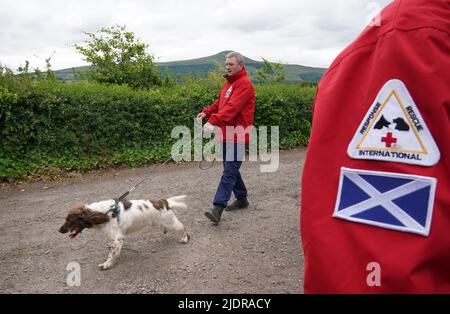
(215, 121)
(207, 113)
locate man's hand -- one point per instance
(208, 128)
(200, 116)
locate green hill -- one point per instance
(201, 66)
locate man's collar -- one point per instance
(237, 75)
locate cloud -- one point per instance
(309, 32)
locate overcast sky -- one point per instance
(306, 32)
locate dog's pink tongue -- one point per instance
(73, 233)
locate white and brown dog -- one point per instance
(131, 216)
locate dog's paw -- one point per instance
(104, 266)
(185, 238)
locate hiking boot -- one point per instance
(238, 204)
(215, 214)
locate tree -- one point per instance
(270, 73)
(48, 66)
(169, 81)
(215, 78)
(119, 58)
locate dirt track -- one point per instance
(255, 250)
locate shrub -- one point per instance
(83, 126)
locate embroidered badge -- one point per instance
(394, 130)
(228, 93)
(387, 200)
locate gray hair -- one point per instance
(239, 58)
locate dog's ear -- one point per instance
(99, 218)
(93, 218)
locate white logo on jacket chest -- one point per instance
(228, 93)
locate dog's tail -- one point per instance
(177, 202)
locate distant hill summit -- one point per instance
(219, 57)
(201, 66)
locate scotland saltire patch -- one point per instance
(394, 130)
(387, 200)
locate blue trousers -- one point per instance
(231, 180)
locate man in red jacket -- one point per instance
(232, 113)
(375, 214)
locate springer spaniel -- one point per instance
(132, 216)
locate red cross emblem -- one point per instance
(389, 140)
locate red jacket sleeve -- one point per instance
(239, 98)
(211, 109)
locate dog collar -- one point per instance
(115, 210)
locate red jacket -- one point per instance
(234, 107)
(411, 46)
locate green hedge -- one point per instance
(47, 127)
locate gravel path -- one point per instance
(255, 250)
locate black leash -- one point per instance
(207, 168)
(115, 210)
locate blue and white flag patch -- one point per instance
(387, 200)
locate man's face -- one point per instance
(232, 66)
